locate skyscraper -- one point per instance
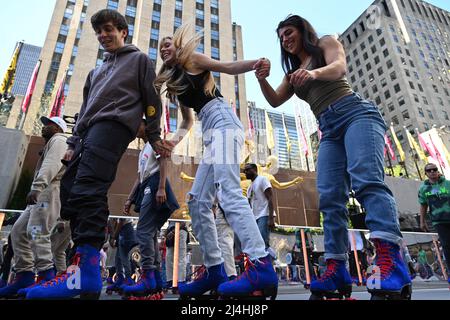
(28, 57)
(286, 160)
(398, 55)
(71, 45)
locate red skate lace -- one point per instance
(199, 273)
(385, 260)
(248, 264)
(64, 276)
(331, 270)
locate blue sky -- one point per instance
(29, 19)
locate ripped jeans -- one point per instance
(219, 173)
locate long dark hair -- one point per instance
(310, 42)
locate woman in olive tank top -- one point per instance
(350, 156)
(186, 76)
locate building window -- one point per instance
(387, 94)
(397, 88)
(391, 107)
(430, 114)
(401, 101)
(395, 121)
(393, 75)
(421, 114)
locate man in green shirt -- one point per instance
(434, 193)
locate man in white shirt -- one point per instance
(260, 196)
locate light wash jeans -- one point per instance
(219, 173)
(226, 242)
(351, 156)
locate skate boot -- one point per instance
(159, 295)
(205, 280)
(390, 280)
(83, 279)
(258, 281)
(22, 280)
(145, 287)
(42, 278)
(127, 282)
(336, 282)
(115, 286)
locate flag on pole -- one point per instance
(269, 132)
(414, 146)
(31, 85)
(425, 146)
(58, 103)
(10, 75)
(304, 140)
(398, 145)
(438, 154)
(388, 147)
(286, 134)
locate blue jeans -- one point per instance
(351, 155)
(151, 218)
(127, 241)
(219, 174)
(264, 229)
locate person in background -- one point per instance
(31, 234)
(434, 195)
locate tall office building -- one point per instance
(286, 160)
(71, 45)
(28, 58)
(398, 55)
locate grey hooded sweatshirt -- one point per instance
(121, 90)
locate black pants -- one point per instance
(6, 266)
(89, 176)
(444, 236)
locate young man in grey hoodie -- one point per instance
(115, 97)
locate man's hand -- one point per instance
(161, 197)
(32, 197)
(68, 155)
(127, 207)
(271, 224)
(262, 68)
(113, 243)
(164, 148)
(301, 77)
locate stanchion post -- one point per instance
(176, 252)
(305, 257)
(355, 252)
(2, 218)
(438, 253)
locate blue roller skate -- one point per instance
(83, 279)
(42, 278)
(145, 287)
(22, 280)
(390, 280)
(335, 283)
(205, 280)
(258, 281)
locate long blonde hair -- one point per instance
(168, 74)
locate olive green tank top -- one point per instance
(320, 94)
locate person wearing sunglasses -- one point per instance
(434, 193)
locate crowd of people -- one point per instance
(121, 101)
